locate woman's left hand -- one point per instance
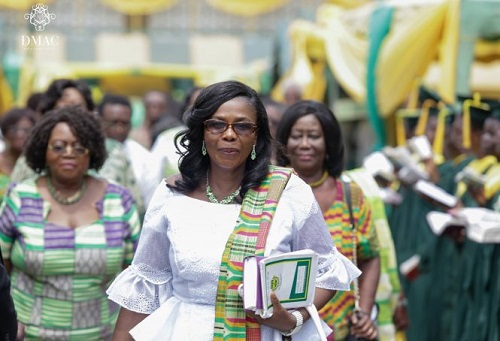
(363, 327)
(282, 319)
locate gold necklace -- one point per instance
(226, 200)
(320, 181)
(65, 201)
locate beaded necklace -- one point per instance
(320, 181)
(65, 201)
(226, 200)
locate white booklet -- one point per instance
(435, 193)
(439, 222)
(291, 276)
(379, 165)
(484, 232)
(481, 225)
(421, 146)
(471, 177)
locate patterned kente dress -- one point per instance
(4, 184)
(60, 274)
(338, 311)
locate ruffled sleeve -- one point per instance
(146, 284)
(335, 271)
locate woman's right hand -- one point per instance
(362, 326)
(21, 332)
(281, 319)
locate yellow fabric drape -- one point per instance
(21, 5)
(408, 49)
(307, 70)
(346, 45)
(246, 8)
(6, 97)
(414, 32)
(349, 3)
(448, 52)
(139, 7)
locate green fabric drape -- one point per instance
(380, 25)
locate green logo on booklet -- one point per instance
(275, 283)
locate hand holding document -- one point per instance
(291, 276)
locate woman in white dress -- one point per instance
(178, 268)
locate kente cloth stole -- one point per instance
(248, 238)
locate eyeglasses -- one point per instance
(61, 148)
(15, 130)
(241, 128)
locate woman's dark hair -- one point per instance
(14, 115)
(193, 165)
(334, 162)
(188, 100)
(55, 91)
(34, 100)
(84, 126)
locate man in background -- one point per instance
(116, 115)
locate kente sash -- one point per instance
(248, 238)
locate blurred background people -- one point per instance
(155, 105)
(33, 103)
(314, 149)
(66, 92)
(65, 234)
(274, 111)
(116, 115)
(15, 125)
(164, 149)
(292, 93)
(173, 115)
(117, 168)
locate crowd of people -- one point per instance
(109, 231)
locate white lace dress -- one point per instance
(176, 265)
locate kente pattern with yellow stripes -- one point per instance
(337, 312)
(248, 238)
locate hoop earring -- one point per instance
(253, 154)
(203, 149)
